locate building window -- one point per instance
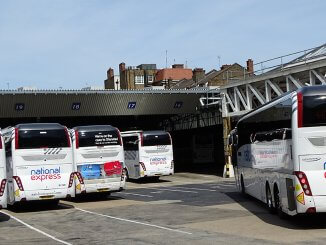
(139, 79)
(150, 78)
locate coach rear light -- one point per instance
(80, 177)
(77, 139)
(71, 180)
(19, 182)
(123, 174)
(143, 166)
(3, 186)
(172, 164)
(141, 139)
(311, 210)
(300, 109)
(16, 139)
(68, 137)
(304, 182)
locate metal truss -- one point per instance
(242, 96)
(211, 98)
(204, 118)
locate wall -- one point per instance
(232, 73)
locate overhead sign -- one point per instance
(178, 104)
(132, 105)
(19, 106)
(76, 106)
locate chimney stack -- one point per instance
(181, 66)
(225, 66)
(122, 67)
(250, 67)
(198, 73)
(110, 73)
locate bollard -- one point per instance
(228, 171)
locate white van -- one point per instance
(148, 154)
(98, 158)
(39, 162)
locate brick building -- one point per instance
(216, 78)
(227, 74)
(131, 77)
(171, 76)
(137, 77)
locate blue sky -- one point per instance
(71, 43)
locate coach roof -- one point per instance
(93, 128)
(151, 132)
(39, 126)
(313, 90)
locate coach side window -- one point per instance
(130, 143)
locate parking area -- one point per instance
(185, 208)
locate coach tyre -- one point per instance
(269, 199)
(278, 205)
(243, 191)
(126, 174)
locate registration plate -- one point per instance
(47, 197)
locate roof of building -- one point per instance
(80, 103)
(309, 56)
(313, 54)
(213, 73)
(183, 84)
(175, 74)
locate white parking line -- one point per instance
(183, 182)
(171, 190)
(134, 194)
(190, 188)
(133, 221)
(35, 229)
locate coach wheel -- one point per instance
(243, 190)
(126, 174)
(278, 205)
(269, 200)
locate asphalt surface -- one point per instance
(181, 209)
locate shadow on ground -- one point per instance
(4, 217)
(37, 206)
(93, 197)
(148, 180)
(201, 168)
(259, 209)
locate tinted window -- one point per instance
(156, 139)
(314, 111)
(273, 118)
(30, 139)
(98, 138)
(130, 143)
(278, 134)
